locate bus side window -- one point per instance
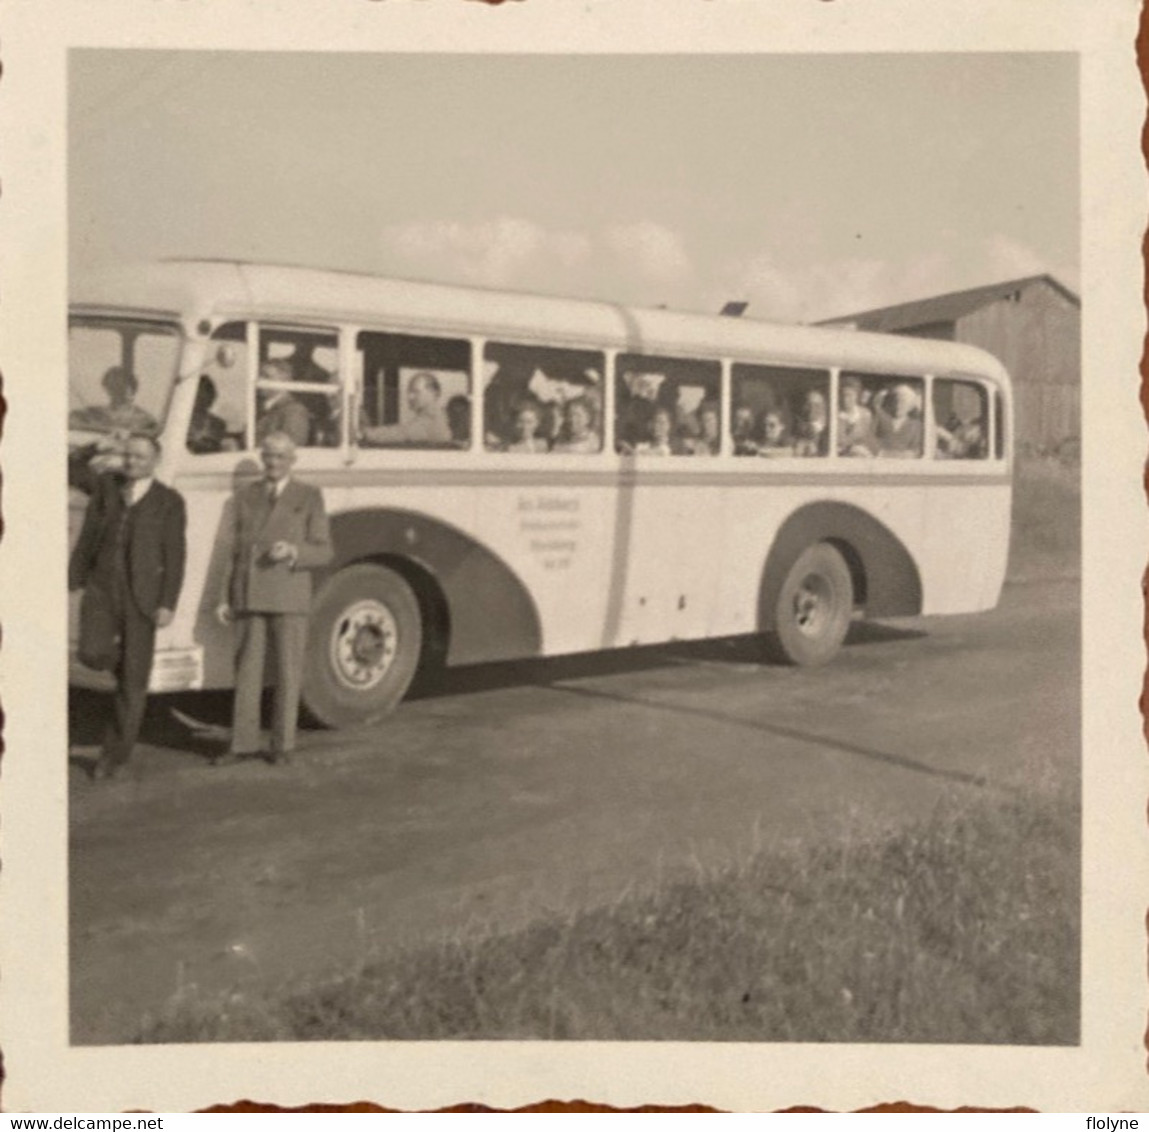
(667, 406)
(298, 386)
(880, 415)
(961, 420)
(416, 391)
(779, 411)
(542, 399)
(219, 418)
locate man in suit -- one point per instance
(280, 535)
(129, 560)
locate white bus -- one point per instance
(515, 476)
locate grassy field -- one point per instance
(963, 928)
(1046, 535)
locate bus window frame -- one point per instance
(655, 353)
(608, 354)
(254, 325)
(354, 359)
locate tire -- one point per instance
(364, 640)
(814, 606)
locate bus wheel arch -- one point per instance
(365, 643)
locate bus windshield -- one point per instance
(121, 373)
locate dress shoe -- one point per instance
(230, 758)
(107, 770)
(279, 758)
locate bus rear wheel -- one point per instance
(364, 641)
(814, 606)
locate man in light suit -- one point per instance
(129, 561)
(280, 535)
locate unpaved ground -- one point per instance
(520, 789)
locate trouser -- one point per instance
(137, 646)
(287, 635)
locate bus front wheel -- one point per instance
(364, 642)
(814, 606)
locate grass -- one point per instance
(961, 929)
(1046, 536)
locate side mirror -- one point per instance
(225, 355)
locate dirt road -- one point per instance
(518, 789)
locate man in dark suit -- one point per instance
(129, 560)
(280, 535)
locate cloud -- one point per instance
(1007, 258)
(651, 251)
(503, 252)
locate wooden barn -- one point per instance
(1033, 325)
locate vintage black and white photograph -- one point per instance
(579, 548)
(578, 552)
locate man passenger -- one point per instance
(427, 423)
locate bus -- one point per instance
(512, 475)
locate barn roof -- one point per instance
(945, 308)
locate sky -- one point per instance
(809, 186)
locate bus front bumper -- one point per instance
(173, 670)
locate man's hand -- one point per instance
(283, 551)
(164, 617)
(224, 614)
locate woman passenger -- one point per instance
(775, 437)
(662, 440)
(897, 429)
(708, 442)
(580, 433)
(855, 421)
(528, 418)
(742, 431)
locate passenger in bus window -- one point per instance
(279, 409)
(459, 420)
(812, 432)
(427, 423)
(855, 421)
(897, 425)
(662, 441)
(961, 440)
(708, 441)
(528, 420)
(775, 436)
(580, 435)
(551, 428)
(742, 431)
(207, 432)
(121, 414)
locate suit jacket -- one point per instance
(253, 584)
(154, 551)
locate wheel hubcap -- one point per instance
(812, 605)
(364, 644)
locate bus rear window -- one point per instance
(961, 420)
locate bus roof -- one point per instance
(192, 290)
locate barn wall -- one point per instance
(1038, 339)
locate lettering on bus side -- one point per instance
(551, 524)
